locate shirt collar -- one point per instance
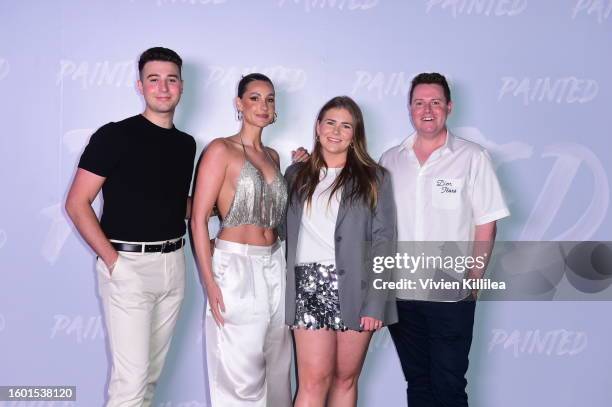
(448, 144)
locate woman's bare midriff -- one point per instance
(249, 234)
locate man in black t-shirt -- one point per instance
(144, 166)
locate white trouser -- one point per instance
(141, 300)
(250, 356)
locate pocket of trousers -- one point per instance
(220, 262)
(103, 268)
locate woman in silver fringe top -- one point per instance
(341, 210)
(248, 346)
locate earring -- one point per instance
(275, 118)
(238, 115)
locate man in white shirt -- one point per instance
(446, 191)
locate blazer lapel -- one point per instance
(297, 207)
(344, 203)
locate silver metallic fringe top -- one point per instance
(255, 201)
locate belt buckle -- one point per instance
(165, 246)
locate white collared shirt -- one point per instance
(442, 201)
(445, 198)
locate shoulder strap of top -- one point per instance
(243, 147)
(246, 157)
(270, 157)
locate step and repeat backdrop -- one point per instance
(530, 80)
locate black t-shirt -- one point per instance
(148, 171)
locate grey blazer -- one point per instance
(360, 234)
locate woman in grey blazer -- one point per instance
(341, 213)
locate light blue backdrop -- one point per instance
(531, 81)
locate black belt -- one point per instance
(166, 247)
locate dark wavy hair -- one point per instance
(432, 78)
(159, 54)
(252, 77)
(360, 168)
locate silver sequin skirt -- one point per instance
(317, 302)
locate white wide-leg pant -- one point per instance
(249, 357)
(141, 302)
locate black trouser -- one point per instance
(433, 341)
